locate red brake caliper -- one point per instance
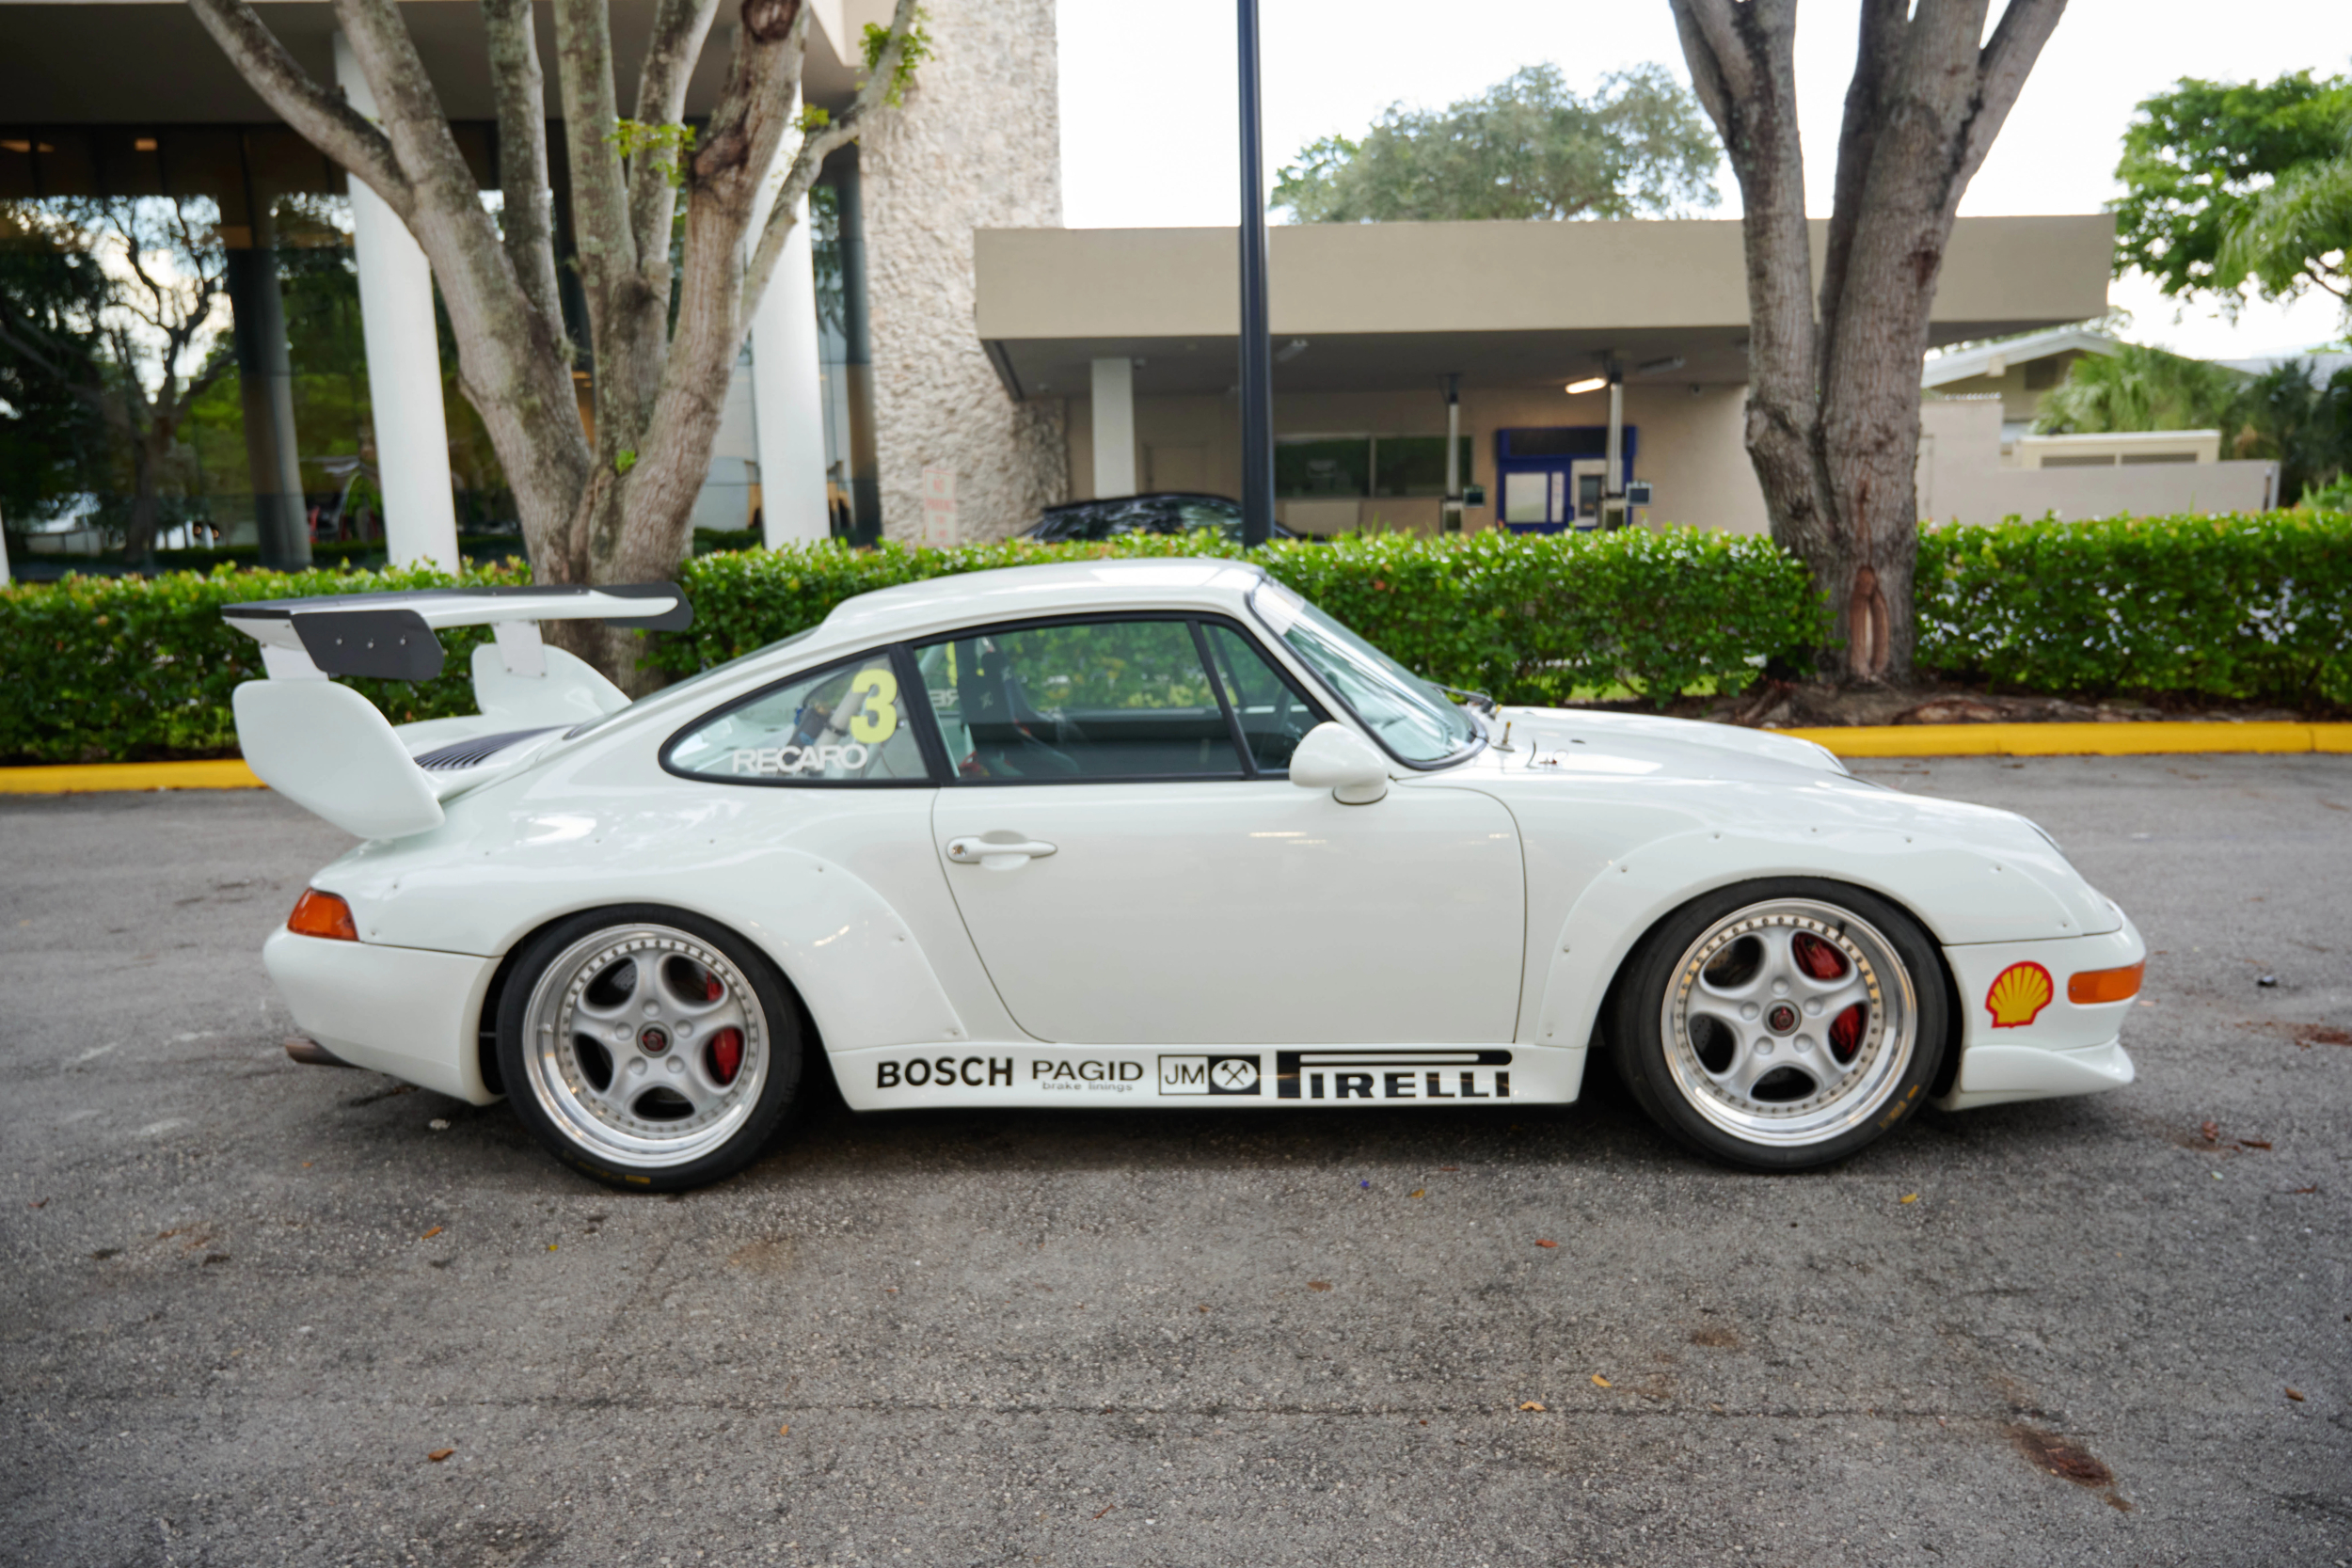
(1823, 962)
(727, 1046)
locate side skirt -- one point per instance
(897, 1077)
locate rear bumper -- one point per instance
(2062, 1049)
(406, 1011)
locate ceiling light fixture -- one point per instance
(1590, 383)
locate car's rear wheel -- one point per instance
(649, 1048)
(1782, 1024)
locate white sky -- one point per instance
(1148, 100)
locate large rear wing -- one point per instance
(390, 635)
(328, 750)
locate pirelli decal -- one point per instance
(1460, 1075)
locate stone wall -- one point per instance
(977, 145)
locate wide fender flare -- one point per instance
(1959, 894)
(855, 961)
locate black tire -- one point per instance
(1781, 1092)
(624, 1129)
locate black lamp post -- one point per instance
(1257, 364)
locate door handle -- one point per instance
(991, 856)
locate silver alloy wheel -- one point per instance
(1790, 1022)
(625, 1042)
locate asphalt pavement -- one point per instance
(255, 1313)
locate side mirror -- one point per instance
(1338, 759)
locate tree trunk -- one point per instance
(1832, 419)
(618, 509)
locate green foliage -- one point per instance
(1528, 619)
(1527, 147)
(2283, 414)
(2240, 607)
(623, 460)
(2143, 389)
(2305, 426)
(2209, 161)
(814, 118)
(634, 138)
(122, 669)
(913, 52)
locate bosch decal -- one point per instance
(971, 1072)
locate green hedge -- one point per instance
(2255, 607)
(128, 668)
(124, 668)
(1528, 619)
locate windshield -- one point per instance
(1410, 717)
(656, 701)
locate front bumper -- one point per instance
(2063, 1049)
(407, 1011)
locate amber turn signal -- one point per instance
(2106, 984)
(321, 914)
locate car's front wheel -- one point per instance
(647, 1047)
(1782, 1024)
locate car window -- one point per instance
(846, 725)
(1115, 699)
(1195, 513)
(1274, 717)
(1412, 717)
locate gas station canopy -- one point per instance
(1388, 307)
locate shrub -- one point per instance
(2253, 607)
(122, 669)
(1527, 619)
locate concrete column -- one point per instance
(265, 382)
(1113, 427)
(403, 365)
(788, 391)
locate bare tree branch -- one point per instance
(679, 27)
(2008, 57)
(809, 161)
(599, 194)
(319, 113)
(529, 219)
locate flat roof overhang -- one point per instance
(1392, 307)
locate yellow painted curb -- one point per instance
(2121, 739)
(225, 773)
(1859, 740)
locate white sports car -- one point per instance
(1149, 832)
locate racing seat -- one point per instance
(1010, 738)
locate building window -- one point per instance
(1306, 467)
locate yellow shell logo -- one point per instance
(2018, 995)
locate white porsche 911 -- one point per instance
(1147, 832)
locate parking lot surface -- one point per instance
(255, 1313)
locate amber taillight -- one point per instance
(2106, 984)
(321, 914)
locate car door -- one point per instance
(1135, 867)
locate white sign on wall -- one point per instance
(939, 509)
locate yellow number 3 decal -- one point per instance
(877, 721)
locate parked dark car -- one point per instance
(1167, 511)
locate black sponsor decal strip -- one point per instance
(1301, 1074)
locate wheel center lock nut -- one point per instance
(653, 1041)
(1781, 1017)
